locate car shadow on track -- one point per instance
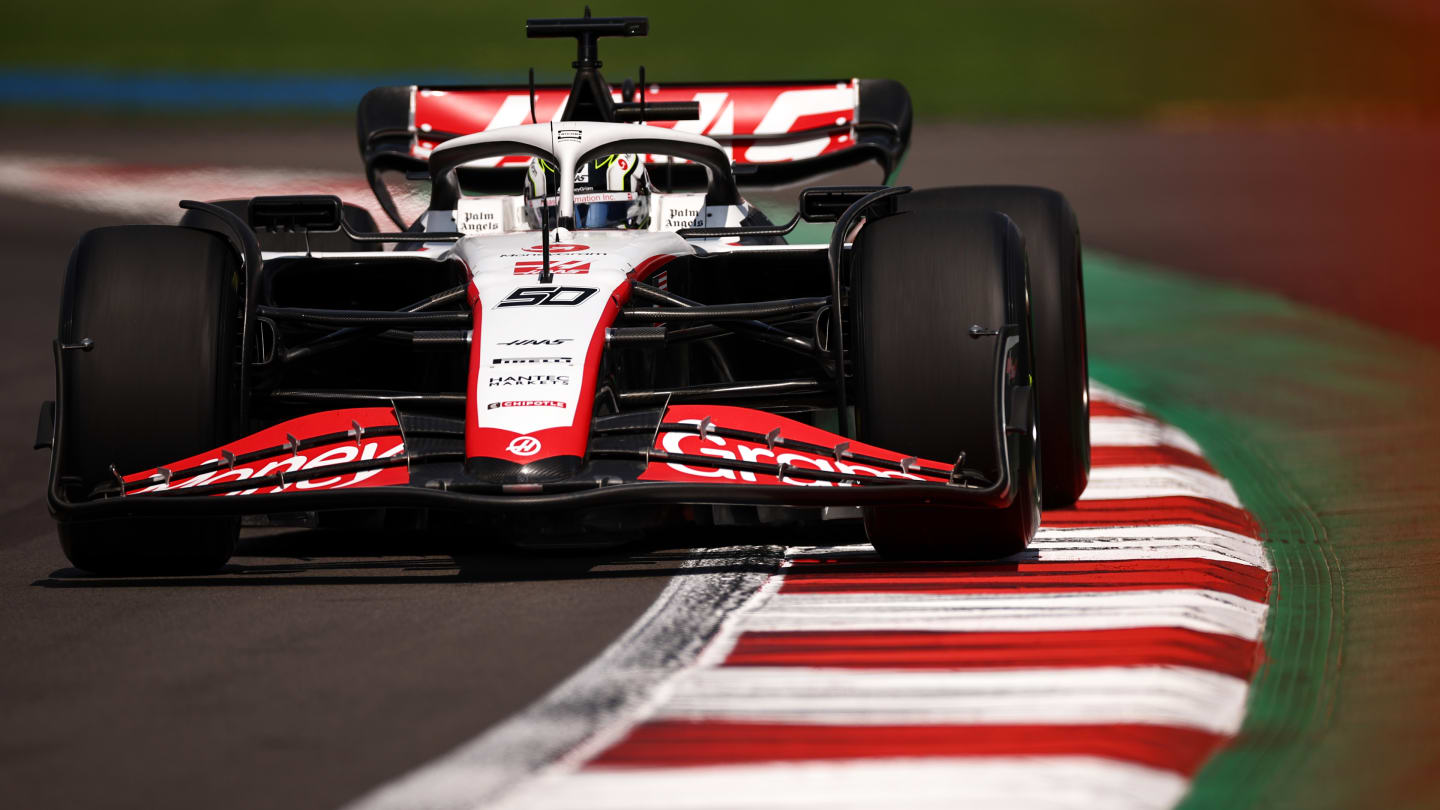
(342, 557)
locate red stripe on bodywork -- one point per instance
(679, 743)
(818, 576)
(1128, 647)
(474, 440)
(562, 440)
(438, 115)
(759, 423)
(1153, 512)
(647, 268)
(287, 461)
(462, 112)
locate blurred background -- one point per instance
(1168, 60)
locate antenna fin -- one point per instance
(533, 118)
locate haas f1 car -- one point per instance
(586, 331)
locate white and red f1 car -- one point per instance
(280, 356)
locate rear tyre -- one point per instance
(925, 387)
(1057, 301)
(162, 306)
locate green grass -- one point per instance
(983, 58)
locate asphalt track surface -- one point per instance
(320, 665)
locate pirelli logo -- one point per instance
(532, 361)
(560, 267)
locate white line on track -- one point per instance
(598, 700)
(1001, 783)
(1138, 431)
(1108, 544)
(1145, 543)
(1192, 609)
(1157, 481)
(1155, 695)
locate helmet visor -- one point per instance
(598, 209)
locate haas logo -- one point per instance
(523, 446)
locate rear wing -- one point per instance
(776, 133)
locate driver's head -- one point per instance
(610, 192)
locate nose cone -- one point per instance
(540, 471)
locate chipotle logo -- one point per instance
(527, 403)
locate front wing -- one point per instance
(681, 454)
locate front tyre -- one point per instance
(926, 387)
(162, 307)
(1057, 301)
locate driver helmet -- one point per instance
(612, 191)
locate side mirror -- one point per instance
(301, 212)
(827, 203)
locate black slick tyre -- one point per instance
(1057, 302)
(926, 387)
(162, 307)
